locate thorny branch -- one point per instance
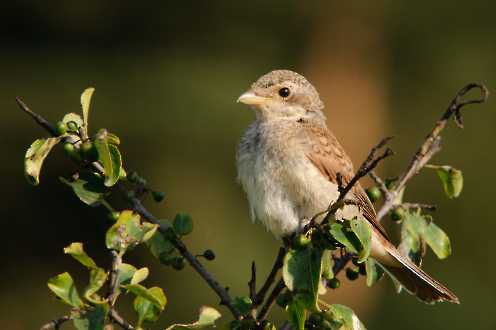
(429, 147)
(138, 207)
(225, 298)
(55, 324)
(431, 144)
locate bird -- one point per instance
(288, 163)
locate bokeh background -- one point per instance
(167, 75)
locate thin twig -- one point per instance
(138, 206)
(119, 320)
(278, 263)
(39, 119)
(382, 186)
(114, 274)
(428, 207)
(55, 324)
(431, 144)
(285, 326)
(280, 286)
(225, 298)
(252, 284)
(365, 168)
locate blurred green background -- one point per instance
(167, 75)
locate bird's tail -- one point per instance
(416, 281)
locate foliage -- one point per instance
(310, 263)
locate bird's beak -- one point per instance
(250, 98)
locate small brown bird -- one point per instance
(288, 162)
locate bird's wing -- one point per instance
(329, 157)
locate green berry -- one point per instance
(178, 263)
(301, 241)
(283, 299)
(69, 148)
(114, 215)
(398, 214)
(132, 176)
(334, 283)
(89, 151)
(158, 196)
(374, 194)
(209, 255)
(351, 274)
(61, 128)
(389, 183)
(362, 269)
(72, 126)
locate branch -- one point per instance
(431, 144)
(280, 286)
(55, 324)
(119, 320)
(138, 206)
(365, 168)
(37, 118)
(278, 263)
(114, 274)
(224, 296)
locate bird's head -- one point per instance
(283, 94)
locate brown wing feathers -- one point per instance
(330, 158)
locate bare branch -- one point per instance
(278, 263)
(428, 207)
(119, 320)
(225, 298)
(432, 143)
(138, 206)
(280, 286)
(37, 118)
(114, 273)
(55, 324)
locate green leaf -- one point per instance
(362, 230)
(77, 252)
(127, 231)
(437, 240)
(109, 156)
(98, 276)
(146, 310)
(374, 271)
(35, 155)
(63, 287)
(85, 104)
(159, 246)
(88, 187)
(451, 178)
(126, 273)
(297, 313)
(113, 139)
(242, 304)
(346, 236)
(155, 294)
(343, 318)
(301, 273)
(183, 224)
(207, 318)
(140, 275)
(411, 245)
(415, 231)
(92, 318)
(74, 117)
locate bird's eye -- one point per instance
(284, 92)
